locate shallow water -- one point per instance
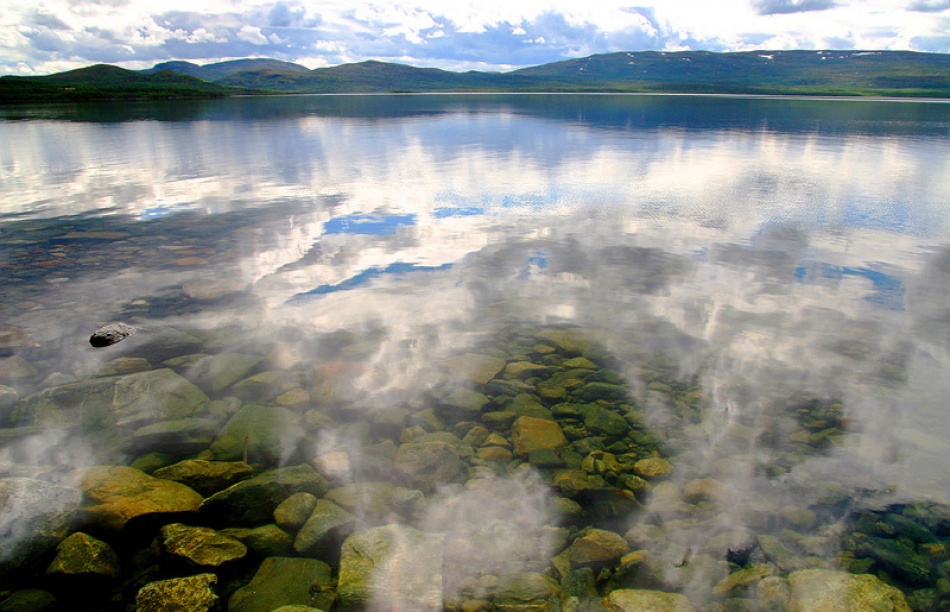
(768, 280)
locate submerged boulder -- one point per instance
(206, 477)
(265, 434)
(36, 515)
(199, 546)
(85, 557)
(253, 501)
(132, 401)
(428, 464)
(283, 581)
(193, 593)
(530, 434)
(834, 591)
(642, 600)
(116, 495)
(391, 567)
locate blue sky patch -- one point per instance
(375, 225)
(364, 277)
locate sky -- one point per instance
(46, 36)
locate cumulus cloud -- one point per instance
(491, 36)
(782, 7)
(252, 35)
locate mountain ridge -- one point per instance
(795, 72)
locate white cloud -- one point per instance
(492, 34)
(252, 34)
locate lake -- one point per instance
(476, 352)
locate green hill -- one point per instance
(222, 70)
(806, 72)
(858, 73)
(883, 73)
(105, 82)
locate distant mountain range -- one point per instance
(857, 73)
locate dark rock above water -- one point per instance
(111, 333)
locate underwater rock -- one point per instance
(254, 500)
(115, 495)
(639, 600)
(131, 401)
(199, 546)
(284, 581)
(476, 368)
(596, 546)
(395, 566)
(531, 433)
(193, 593)
(294, 511)
(36, 516)
(902, 561)
(111, 333)
(263, 386)
(428, 464)
(525, 591)
(605, 422)
(264, 541)
(206, 477)
(266, 434)
(218, 372)
(834, 591)
(16, 368)
(461, 404)
(30, 600)
(85, 557)
(326, 526)
(180, 436)
(13, 338)
(374, 501)
(652, 467)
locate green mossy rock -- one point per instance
(903, 562)
(218, 372)
(260, 434)
(81, 555)
(597, 546)
(253, 501)
(591, 392)
(525, 591)
(394, 566)
(530, 434)
(294, 511)
(199, 546)
(643, 600)
(206, 477)
(605, 422)
(130, 401)
(427, 465)
(265, 541)
(30, 600)
(194, 593)
(283, 581)
(115, 495)
(326, 527)
(833, 591)
(179, 437)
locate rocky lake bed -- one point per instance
(525, 477)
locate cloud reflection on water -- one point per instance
(765, 261)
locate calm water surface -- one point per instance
(766, 280)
